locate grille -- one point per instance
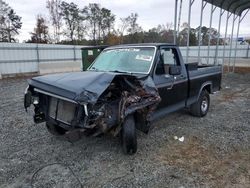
(62, 110)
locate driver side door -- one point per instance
(173, 89)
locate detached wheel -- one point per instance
(201, 107)
(55, 129)
(128, 136)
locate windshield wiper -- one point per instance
(118, 71)
(93, 68)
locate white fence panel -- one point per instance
(18, 58)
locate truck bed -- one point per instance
(200, 75)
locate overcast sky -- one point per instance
(151, 13)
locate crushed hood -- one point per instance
(78, 86)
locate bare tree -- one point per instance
(169, 26)
(41, 32)
(92, 12)
(55, 16)
(130, 25)
(125, 22)
(133, 26)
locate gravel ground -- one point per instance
(215, 151)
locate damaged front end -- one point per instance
(126, 95)
(97, 113)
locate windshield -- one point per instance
(127, 59)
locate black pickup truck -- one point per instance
(124, 89)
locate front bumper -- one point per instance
(53, 108)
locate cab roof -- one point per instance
(143, 44)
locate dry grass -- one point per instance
(231, 95)
(241, 70)
(231, 170)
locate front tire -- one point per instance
(128, 136)
(201, 107)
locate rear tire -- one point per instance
(201, 107)
(128, 136)
(55, 129)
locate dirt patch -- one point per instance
(231, 95)
(241, 70)
(230, 170)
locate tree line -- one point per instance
(94, 25)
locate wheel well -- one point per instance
(207, 88)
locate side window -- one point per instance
(168, 58)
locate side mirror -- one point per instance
(174, 70)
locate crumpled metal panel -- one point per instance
(85, 87)
(78, 86)
(233, 6)
(145, 97)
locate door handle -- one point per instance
(182, 76)
(172, 83)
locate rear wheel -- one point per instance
(128, 136)
(201, 107)
(55, 129)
